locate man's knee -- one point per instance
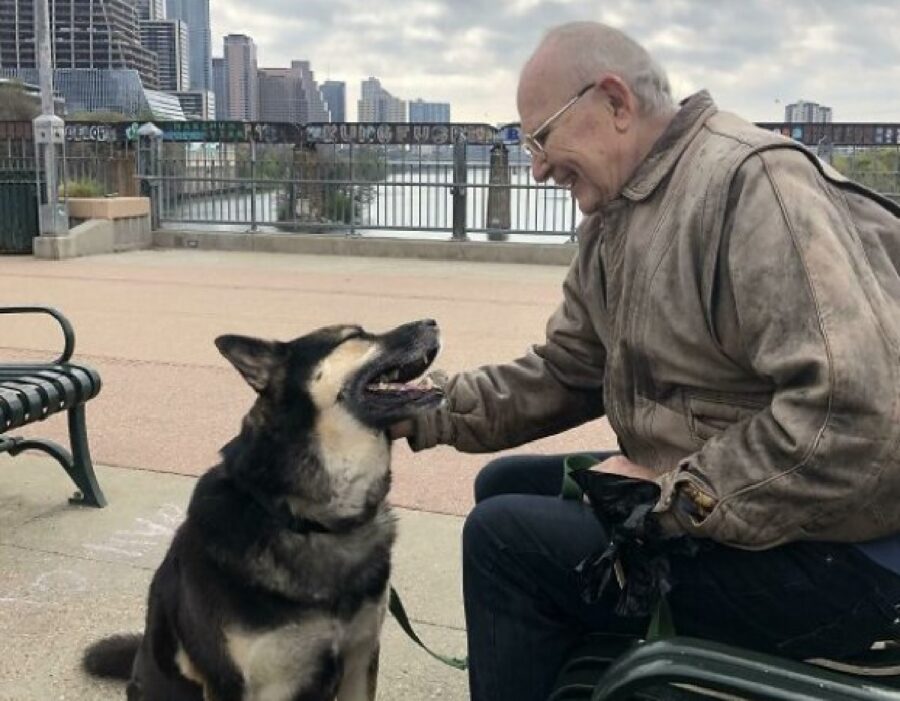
(487, 527)
(497, 477)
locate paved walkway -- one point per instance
(70, 575)
(146, 321)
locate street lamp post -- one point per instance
(49, 134)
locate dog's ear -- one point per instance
(252, 357)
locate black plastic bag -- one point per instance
(636, 544)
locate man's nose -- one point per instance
(540, 169)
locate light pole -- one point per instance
(49, 133)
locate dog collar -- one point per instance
(298, 524)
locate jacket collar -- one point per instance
(694, 112)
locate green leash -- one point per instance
(395, 606)
(661, 623)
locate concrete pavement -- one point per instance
(70, 575)
(146, 321)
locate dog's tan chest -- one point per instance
(277, 664)
(353, 456)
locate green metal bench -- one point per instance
(30, 392)
(615, 668)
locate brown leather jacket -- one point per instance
(735, 313)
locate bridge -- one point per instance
(459, 181)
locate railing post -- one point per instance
(253, 223)
(498, 208)
(352, 195)
(149, 164)
(458, 190)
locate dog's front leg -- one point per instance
(372, 682)
(359, 680)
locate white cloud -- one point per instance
(753, 55)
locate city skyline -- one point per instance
(815, 43)
(755, 57)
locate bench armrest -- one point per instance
(68, 331)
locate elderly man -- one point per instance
(734, 311)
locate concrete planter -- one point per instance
(101, 225)
(108, 207)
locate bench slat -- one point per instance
(33, 392)
(12, 413)
(52, 395)
(29, 397)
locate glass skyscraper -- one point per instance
(195, 14)
(335, 94)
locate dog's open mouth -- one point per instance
(404, 381)
(391, 387)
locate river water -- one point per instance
(414, 203)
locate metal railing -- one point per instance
(356, 189)
(418, 191)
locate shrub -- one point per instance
(84, 187)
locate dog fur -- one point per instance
(275, 586)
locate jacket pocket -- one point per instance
(710, 413)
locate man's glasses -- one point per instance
(533, 142)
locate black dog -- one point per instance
(275, 586)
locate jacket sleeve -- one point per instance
(807, 308)
(553, 387)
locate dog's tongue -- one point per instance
(421, 385)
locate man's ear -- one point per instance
(622, 103)
(254, 358)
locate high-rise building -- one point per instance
(433, 112)
(281, 99)
(369, 95)
(105, 90)
(197, 104)
(335, 94)
(242, 76)
(99, 34)
(394, 109)
(168, 39)
(195, 14)
(316, 109)
(377, 105)
(151, 9)
(803, 111)
(290, 95)
(220, 88)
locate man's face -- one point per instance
(581, 150)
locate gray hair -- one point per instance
(591, 48)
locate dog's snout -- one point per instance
(429, 322)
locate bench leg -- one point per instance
(78, 464)
(82, 469)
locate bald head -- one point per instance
(572, 55)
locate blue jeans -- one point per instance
(522, 542)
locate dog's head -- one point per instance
(344, 369)
(316, 437)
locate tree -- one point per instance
(877, 168)
(16, 104)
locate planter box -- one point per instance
(108, 207)
(103, 225)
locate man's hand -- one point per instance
(404, 429)
(620, 465)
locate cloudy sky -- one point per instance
(753, 55)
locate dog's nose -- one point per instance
(429, 322)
